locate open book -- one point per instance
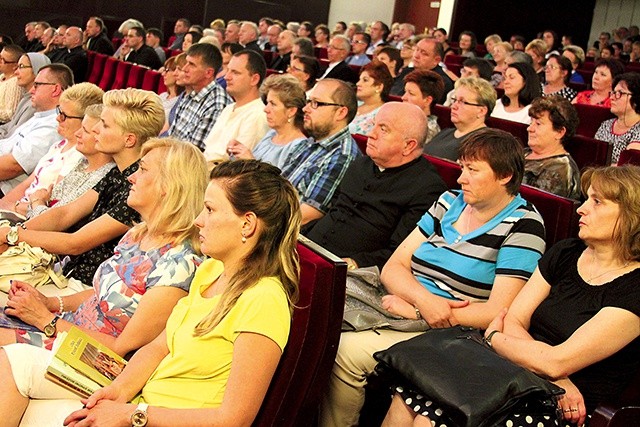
(82, 364)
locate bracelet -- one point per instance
(488, 338)
(418, 315)
(61, 304)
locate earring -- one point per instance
(244, 239)
(289, 120)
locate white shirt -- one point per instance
(246, 124)
(520, 116)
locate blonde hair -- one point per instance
(538, 46)
(83, 95)
(182, 181)
(254, 186)
(94, 111)
(495, 38)
(486, 93)
(506, 45)
(137, 111)
(618, 184)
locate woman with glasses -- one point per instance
(10, 92)
(623, 131)
(62, 157)
(601, 83)
(474, 98)
(547, 164)
(557, 73)
(306, 70)
(372, 91)
(521, 86)
(285, 100)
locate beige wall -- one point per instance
(610, 14)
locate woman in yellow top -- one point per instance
(215, 360)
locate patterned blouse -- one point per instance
(584, 97)
(363, 123)
(556, 174)
(120, 283)
(619, 140)
(565, 92)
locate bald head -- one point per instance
(73, 37)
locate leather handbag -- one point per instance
(363, 305)
(474, 385)
(28, 264)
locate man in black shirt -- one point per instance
(140, 53)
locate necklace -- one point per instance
(592, 278)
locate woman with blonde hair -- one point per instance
(223, 342)
(134, 291)
(537, 49)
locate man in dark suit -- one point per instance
(75, 57)
(427, 56)
(338, 50)
(248, 36)
(285, 45)
(141, 54)
(97, 39)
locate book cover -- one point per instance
(12, 322)
(89, 358)
(67, 377)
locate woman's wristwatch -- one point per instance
(139, 418)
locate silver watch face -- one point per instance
(139, 418)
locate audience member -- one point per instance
(133, 292)
(322, 35)
(75, 57)
(232, 33)
(623, 131)
(406, 32)
(140, 53)
(263, 28)
(285, 45)
(471, 67)
(96, 35)
(62, 156)
(30, 40)
(153, 39)
(354, 27)
(359, 43)
(518, 42)
(244, 120)
(198, 111)
(285, 99)
(519, 56)
(422, 88)
(550, 38)
(272, 33)
(474, 99)
(337, 53)
(174, 90)
(576, 56)
(382, 194)
(557, 74)
(547, 164)
(302, 46)
(305, 30)
(537, 50)
(190, 38)
(316, 167)
(499, 54)
(521, 87)
(180, 28)
(21, 151)
(489, 43)
(340, 27)
(372, 91)
(248, 36)
(10, 91)
(440, 35)
(306, 69)
(29, 66)
(123, 31)
(227, 50)
(427, 56)
(601, 83)
(425, 282)
(467, 43)
(379, 33)
(583, 286)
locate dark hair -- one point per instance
(484, 67)
(311, 66)
(344, 95)
(342, 24)
(61, 73)
(633, 84)
(555, 39)
(325, 30)
(501, 150)
(195, 36)
(565, 65)
(474, 39)
(208, 53)
(185, 21)
(615, 66)
(430, 84)
(231, 47)
(385, 30)
(441, 30)
(255, 63)
(394, 55)
(305, 45)
(197, 28)
(562, 114)
(156, 32)
(520, 39)
(140, 32)
(100, 23)
(380, 74)
(609, 48)
(307, 25)
(531, 89)
(367, 37)
(269, 21)
(14, 51)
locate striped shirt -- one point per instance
(197, 113)
(464, 267)
(316, 168)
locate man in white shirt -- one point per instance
(20, 152)
(244, 121)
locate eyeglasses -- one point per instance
(455, 100)
(315, 104)
(617, 94)
(65, 116)
(292, 68)
(4, 61)
(22, 66)
(38, 84)
(358, 42)
(551, 67)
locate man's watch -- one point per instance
(139, 417)
(12, 236)
(50, 330)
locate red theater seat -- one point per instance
(519, 130)
(136, 75)
(443, 114)
(109, 73)
(591, 117)
(97, 67)
(361, 140)
(122, 73)
(151, 81)
(589, 151)
(631, 157)
(303, 373)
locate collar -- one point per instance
(202, 94)
(47, 113)
(334, 139)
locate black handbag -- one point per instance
(472, 383)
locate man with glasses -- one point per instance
(20, 153)
(337, 52)
(316, 167)
(10, 91)
(359, 43)
(140, 53)
(29, 65)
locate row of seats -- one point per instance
(111, 73)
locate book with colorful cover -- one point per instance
(82, 364)
(12, 322)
